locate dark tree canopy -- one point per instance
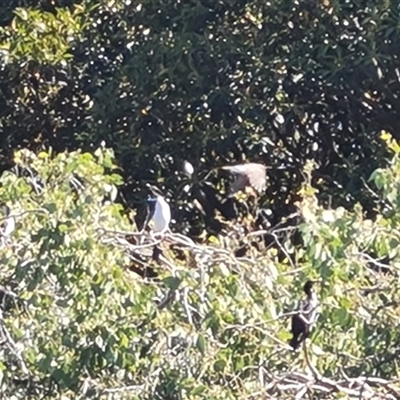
(99, 98)
(213, 82)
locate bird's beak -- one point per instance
(154, 190)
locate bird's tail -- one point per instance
(294, 342)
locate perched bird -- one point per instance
(160, 213)
(7, 225)
(303, 321)
(251, 174)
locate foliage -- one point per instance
(64, 276)
(212, 325)
(308, 86)
(210, 81)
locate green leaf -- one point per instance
(219, 365)
(172, 282)
(201, 344)
(198, 390)
(378, 178)
(51, 207)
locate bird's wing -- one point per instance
(235, 169)
(298, 325)
(308, 311)
(257, 177)
(252, 174)
(239, 183)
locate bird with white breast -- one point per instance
(160, 214)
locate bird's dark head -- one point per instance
(308, 286)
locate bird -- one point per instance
(305, 318)
(251, 174)
(7, 225)
(160, 213)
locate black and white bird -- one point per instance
(160, 214)
(244, 175)
(306, 316)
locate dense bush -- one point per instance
(211, 325)
(304, 87)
